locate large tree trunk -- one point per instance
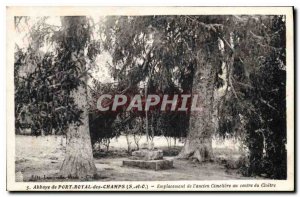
(198, 144)
(78, 162)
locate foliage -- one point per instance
(252, 107)
(101, 122)
(255, 106)
(44, 80)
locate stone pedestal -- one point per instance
(151, 164)
(145, 154)
(148, 159)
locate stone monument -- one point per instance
(148, 158)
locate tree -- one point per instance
(176, 48)
(254, 105)
(269, 100)
(53, 91)
(198, 144)
(78, 161)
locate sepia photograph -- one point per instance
(150, 99)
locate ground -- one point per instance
(40, 158)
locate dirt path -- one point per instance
(112, 170)
(43, 163)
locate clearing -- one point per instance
(40, 158)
